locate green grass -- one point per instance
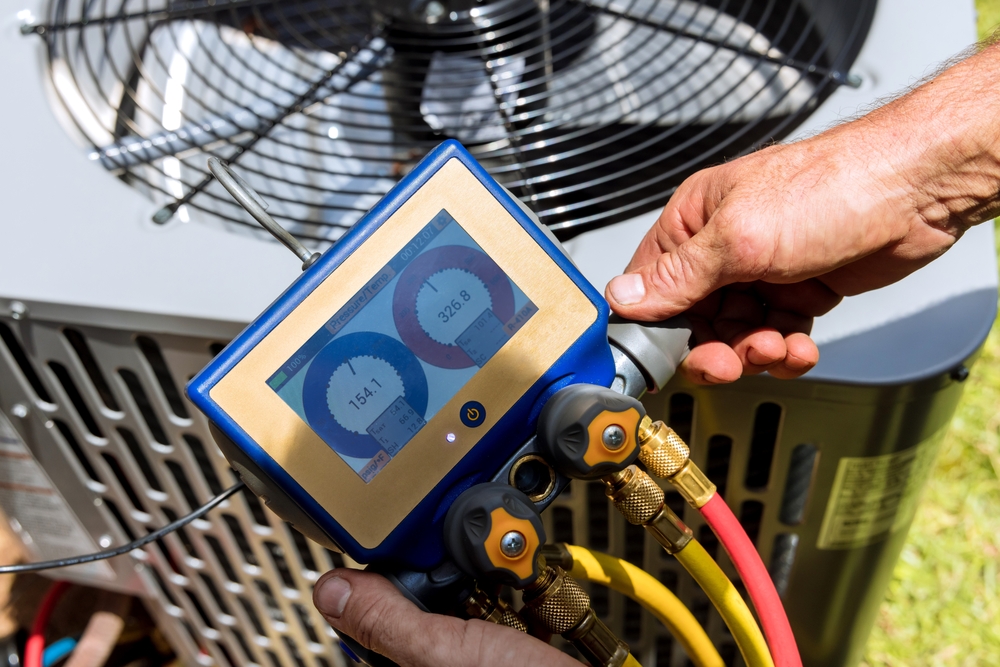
(989, 17)
(943, 607)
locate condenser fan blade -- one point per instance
(592, 111)
(318, 25)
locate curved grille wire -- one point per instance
(591, 111)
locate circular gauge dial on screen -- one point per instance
(360, 390)
(365, 392)
(449, 301)
(443, 294)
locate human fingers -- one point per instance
(730, 341)
(710, 361)
(802, 355)
(801, 351)
(739, 322)
(756, 338)
(687, 212)
(674, 282)
(368, 608)
(737, 312)
(759, 349)
(788, 322)
(779, 345)
(810, 298)
(784, 357)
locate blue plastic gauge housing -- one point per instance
(406, 365)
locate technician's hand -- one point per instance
(368, 608)
(754, 249)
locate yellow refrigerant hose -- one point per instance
(629, 580)
(727, 600)
(630, 661)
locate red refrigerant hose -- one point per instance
(35, 646)
(667, 455)
(757, 580)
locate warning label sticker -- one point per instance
(37, 511)
(874, 496)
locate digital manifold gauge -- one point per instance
(407, 364)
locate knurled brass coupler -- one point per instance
(556, 602)
(511, 618)
(482, 606)
(640, 500)
(635, 494)
(661, 450)
(666, 455)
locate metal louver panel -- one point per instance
(108, 422)
(105, 418)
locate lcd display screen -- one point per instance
(385, 363)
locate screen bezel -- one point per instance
(369, 512)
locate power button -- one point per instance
(473, 414)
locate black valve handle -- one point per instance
(587, 432)
(493, 531)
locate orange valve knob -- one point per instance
(587, 432)
(493, 531)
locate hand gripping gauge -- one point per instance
(405, 365)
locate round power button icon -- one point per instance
(473, 414)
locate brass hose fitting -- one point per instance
(668, 529)
(666, 455)
(662, 450)
(691, 482)
(595, 641)
(482, 606)
(635, 494)
(557, 555)
(640, 500)
(556, 602)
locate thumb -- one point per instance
(672, 283)
(366, 607)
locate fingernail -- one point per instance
(332, 596)
(797, 363)
(627, 289)
(758, 359)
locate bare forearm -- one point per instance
(943, 141)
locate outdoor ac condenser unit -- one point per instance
(104, 315)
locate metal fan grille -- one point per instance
(592, 111)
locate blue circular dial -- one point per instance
(350, 384)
